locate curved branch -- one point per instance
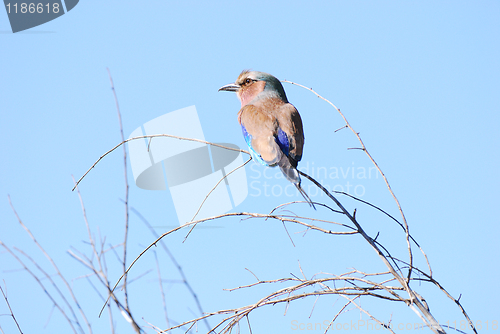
(153, 136)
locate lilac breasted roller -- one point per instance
(271, 126)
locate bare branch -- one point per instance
(176, 264)
(154, 136)
(125, 238)
(368, 314)
(58, 272)
(210, 192)
(163, 299)
(101, 271)
(10, 309)
(54, 302)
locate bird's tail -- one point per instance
(304, 194)
(293, 176)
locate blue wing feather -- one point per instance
(282, 141)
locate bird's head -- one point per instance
(252, 85)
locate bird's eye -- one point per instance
(248, 81)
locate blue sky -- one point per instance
(418, 80)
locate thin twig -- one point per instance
(338, 314)
(10, 309)
(101, 271)
(153, 136)
(210, 192)
(368, 314)
(251, 272)
(176, 264)
(125, 237)
(163, 299)
(70, 290)
(44, 289)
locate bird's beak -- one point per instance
(232, 87)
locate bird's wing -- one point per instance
(260, 132)
(290, 124)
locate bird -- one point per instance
(272, 127)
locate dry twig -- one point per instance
(10, 309)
